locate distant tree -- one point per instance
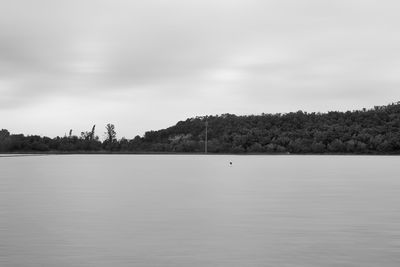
(4, 133)
(86, 136)
(110, 132)
(123, 144)
(365, 131)
(336, 146)
(255, 148)
(318, 147)
(5, 140)
(110, 136)
(92, 132)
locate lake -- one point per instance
(198, 210)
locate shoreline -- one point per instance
(32, 153)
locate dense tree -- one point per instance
(110, 133)
(110, 142)
(358, 132)
(368, 131)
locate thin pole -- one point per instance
(205, 148)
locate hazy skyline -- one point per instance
(144, 65)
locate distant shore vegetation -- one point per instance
(367, 131)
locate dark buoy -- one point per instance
(230, 162)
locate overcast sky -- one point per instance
(145, 65)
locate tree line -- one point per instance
(87, 141)
(372, 131)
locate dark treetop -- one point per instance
(373, 131)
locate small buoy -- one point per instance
(230, 162)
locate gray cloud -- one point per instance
(174, 59)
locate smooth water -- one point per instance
(167, 210)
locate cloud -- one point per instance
(187, 58)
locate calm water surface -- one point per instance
(166, 210)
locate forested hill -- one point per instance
(373, 131)
(366, 131)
